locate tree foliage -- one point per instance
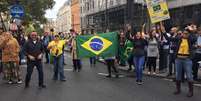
(34, 9)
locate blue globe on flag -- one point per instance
(96, 44)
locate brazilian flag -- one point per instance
(103, 45)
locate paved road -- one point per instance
(89, 85)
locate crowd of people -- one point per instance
(178, 50)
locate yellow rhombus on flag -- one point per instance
(97, 44)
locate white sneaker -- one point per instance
(154, 73)
(149, 73)
(19, 82)
(10, 82)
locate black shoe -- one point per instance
(78, 70)
(10, 82)
(42, 86)
(63, 80)
(117, 76)
(169, 75)
(129, 69)
(139, 82)
(26, 86)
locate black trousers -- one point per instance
(130, 61)
(151, 63)
(76, 64)
(111, 65)
(30, 67)
(195, 68)
(92, 60)
(163, 59)
(171, 63)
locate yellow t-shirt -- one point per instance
(184, 47)
(57, 47)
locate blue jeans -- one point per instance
(63, 58)
(58, 68)
(186, 65)
(139, 63)
(21, 54)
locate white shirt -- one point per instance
(34, 42)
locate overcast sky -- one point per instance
(52, 13)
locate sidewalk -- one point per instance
(145, 72)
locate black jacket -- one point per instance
(33, 49)
(139, 47)
(178, 40)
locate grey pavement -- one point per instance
(91, 85)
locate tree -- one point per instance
(34, 9)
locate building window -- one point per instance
(118, 2)
(87, 6)
(111, 2)
(93, 3)
(98, 3)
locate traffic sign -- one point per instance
(17, 11)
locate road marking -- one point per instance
(68, 69)
(198, 85)
(105, 74)
(168, 79)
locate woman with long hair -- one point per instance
(152, 51)
(139, 44)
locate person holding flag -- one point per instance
(102, 45)
(76, 61)
(122, 48)
(92, 60)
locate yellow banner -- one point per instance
(158, 10)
